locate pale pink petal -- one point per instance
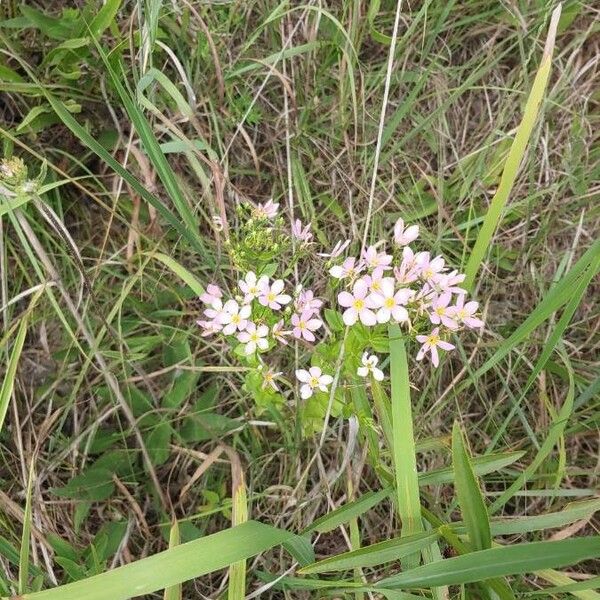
(345, 299)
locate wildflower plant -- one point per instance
(267, 312)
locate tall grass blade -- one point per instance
(26, 535)
(404, 452)
(469, 495)
(9, 377)
(174, 592)
(173, 566)
(515, 156)
(497, 562)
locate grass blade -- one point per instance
(497, 562)
(9, 377)
(469, 495)
(174, 592)
(376, 554)
(173, 566)
(25, 537)
(404, 452)
(515, 156)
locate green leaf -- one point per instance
(93, 485)
(173, 566)
(404, 452)
(514, 158)
(375, 554)
(181, 272)
(469, 495)
(497, 562)
(349, 511)
(8, 381)
(158, 443)
(104, 17)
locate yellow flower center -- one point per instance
(254, 337)
(301, 325)
(433, 340)
(462, 313)
(390, 303)
(271, 297)
(235, 319)
(441, 310)
(313, 382)
(375, 285)
(359, 304)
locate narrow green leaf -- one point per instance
(173, 566)
(404, 452)
(104, 17)
(174, 592)
(497, 562)
(349, 511)
(514, 158)
(9, 377)
(25, 537)
(376, 554)
(180, 271)
(469, 495)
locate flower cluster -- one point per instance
(414, 289)
(260, 314)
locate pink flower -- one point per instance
(440, 313)
(278, 333)
(304, 326)
(374, 259)
(268, 210)
(464, 312)
(376, 279)
(391, 303)
(408, 271)
(212, 293)
(234, 317)
(430, 267)
(251, 287)
(254, 337)
(272, 296)
(349, 268)
(358, 305)
(311, 380)
(302, 234)
(448, 282)
(403, 236)
(306, 301)
(431, 343)
(338, 249)
(215, 311)
(209, 327)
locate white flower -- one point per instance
(337, 250)
(272, 296)
(234, 317)
(430, 344)
(374, 259)
(254, 337)
(215, 310)
(408, 271)
(349, 268)
(403, 236)
(268, 210)
(391, 303)
(358, 305)
(311, 380)
(369, 365)
(301, 233)
(251, 286)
